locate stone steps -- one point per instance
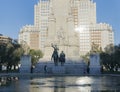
(68, 68)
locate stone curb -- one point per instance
(50, 75)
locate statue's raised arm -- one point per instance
(55, 47)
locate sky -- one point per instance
(14, 14)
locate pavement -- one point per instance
(49, 75)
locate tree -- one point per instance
(86, 58)
(2, 54)
(10, 54)
(35, 55)
(17, 53)
(111, 58)
(109, 49)
(105, 60)
(117, 57)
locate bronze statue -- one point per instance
(55, 56)
(62, 58)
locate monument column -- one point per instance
(51, 36)
(73, 41)
(51, 27)
(70, 24)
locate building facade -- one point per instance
(5, 39)
(29, 37)
(83, 14)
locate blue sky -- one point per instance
(16, 13)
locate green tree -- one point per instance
(10, 54)
(111, 58)
(2, 54)
(109, 49)
(105, 58)
(17, 53)
(117, 57)
(35, 55)
(86, 58)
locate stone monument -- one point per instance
(55, 55)
(61, 31)
(94, 64)
(58, 70)
(25, 62)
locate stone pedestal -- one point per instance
(25, 64)
(58, 70)
(95, 70)
(68, 68)
(95, 64)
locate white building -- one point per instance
(41, 14)
(5, 39)
(83, 13)
(29, 36)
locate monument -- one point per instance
(55, 55)
(61, 31)
(25, 62)
(62, 34)
(95, 64)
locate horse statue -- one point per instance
(55, 56)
